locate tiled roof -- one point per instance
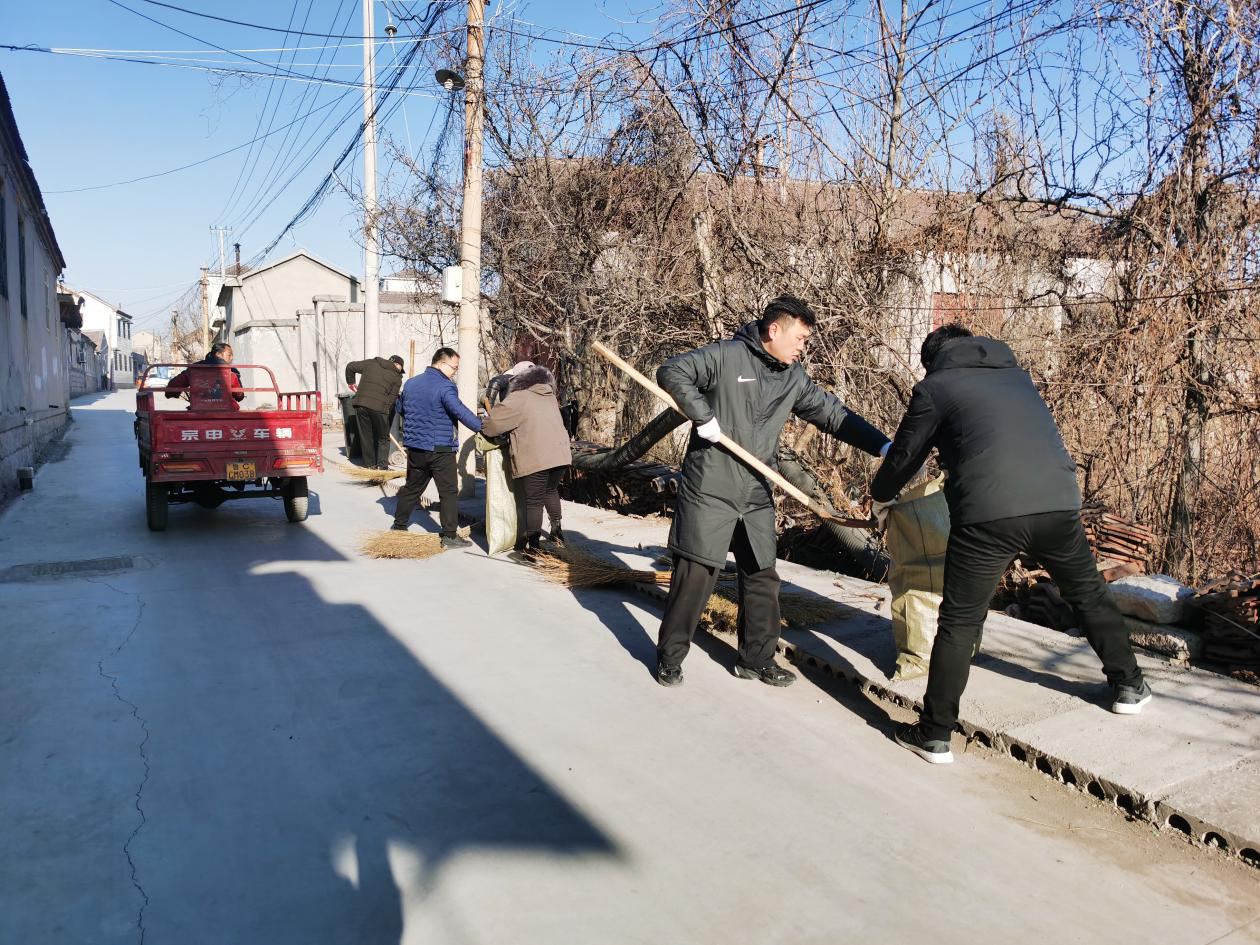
(8, 124)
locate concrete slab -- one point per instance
(1218, 808)
(1042, 692)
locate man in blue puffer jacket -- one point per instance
(429, 406)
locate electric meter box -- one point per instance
(453, 284)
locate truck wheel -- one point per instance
(295, 500)
(156, 505)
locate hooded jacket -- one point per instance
(379, 382)
(994, 434)
(530, 415)
(430, 407)
(752, 394)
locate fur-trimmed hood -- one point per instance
(536, 376)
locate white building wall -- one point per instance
(34, 385)
(99, 315)
(279, 290)
(318, 343)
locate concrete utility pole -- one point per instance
(470, 237)
(371, 229)
(222, 231)
(205, 308)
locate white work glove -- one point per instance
(709, 430)
(883, 450)
(880, 511)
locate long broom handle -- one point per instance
(735, 449)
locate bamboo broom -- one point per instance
(576, 568)
(392, 544)
(370, 477)
(738, 451)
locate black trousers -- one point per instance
(689, 591)
(423, 465)
(542, 490)
(975, 560)
(373, 437)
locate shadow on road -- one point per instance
(325, 775)
(301, 776)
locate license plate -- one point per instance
(241, 471)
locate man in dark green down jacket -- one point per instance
(380, 379)
(745, 387)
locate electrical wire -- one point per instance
(313, 201)
(217, 70)
(251, 156)
(797, 8)
(280, 158)
(257, 206)
(191, 164)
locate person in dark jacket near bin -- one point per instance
(746, 387)
(374, 397)
(1011, 488)
(430, 408)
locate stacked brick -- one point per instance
(1116, 540)
(1231, 620)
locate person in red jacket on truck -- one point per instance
(220, 356)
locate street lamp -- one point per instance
(451, 81)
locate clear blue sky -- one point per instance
(90, 121)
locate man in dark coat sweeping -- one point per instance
(380, 380)
(1011, 487)
(745, 387)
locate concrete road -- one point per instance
(240, 731)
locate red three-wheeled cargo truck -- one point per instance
(214, 450)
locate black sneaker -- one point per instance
(669, 675)
(931, 750)
(398, 528)
(772, 675)
(1128, 700)
(555, 537)
(455, 541)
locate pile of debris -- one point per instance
(641, 487)
(1117, 541)
(1158, 610)
(1231, 620)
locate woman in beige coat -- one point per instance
(538, 446)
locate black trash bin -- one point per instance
(350, 420)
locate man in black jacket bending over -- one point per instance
(745, 387)
(380, 380)
(1011, 488)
